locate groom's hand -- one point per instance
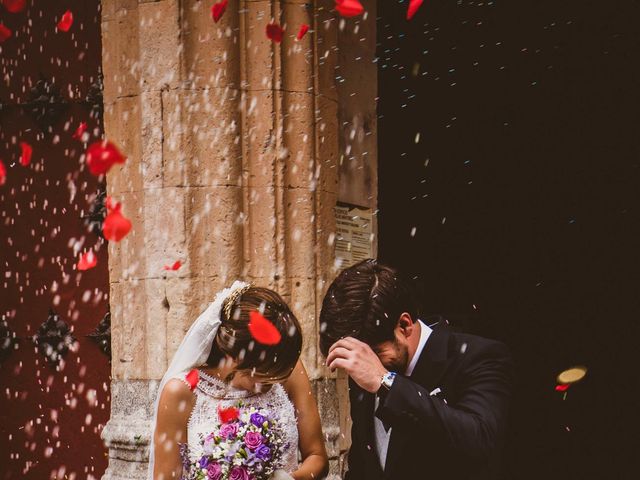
(359, 361)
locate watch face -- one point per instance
(387, 380)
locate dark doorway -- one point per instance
(54, 401)
(509, 172)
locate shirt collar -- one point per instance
(425, 332)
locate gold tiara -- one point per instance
(231, 299)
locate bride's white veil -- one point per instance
(193, 351)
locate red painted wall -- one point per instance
(50, 419)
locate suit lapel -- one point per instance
(427, 373)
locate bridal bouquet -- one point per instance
(246, 444)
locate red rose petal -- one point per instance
(80, 131)
(262, 330)
(218, 10)
(115, 226)
(3, 173)
(304, 28)
(101, 156)
(274, 32)
(14, 6)
(192, 378)
(562, 388)
(112, 205)
(414, 5)
(173, 267)
(87, 260)
(349, 8)
(66, 21)
(228, 414)
(5, 33)
(25, 158)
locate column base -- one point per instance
(127, 434)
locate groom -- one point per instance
(426, 403)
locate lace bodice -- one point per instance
(212, 393)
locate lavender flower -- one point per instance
(263, 452)
(257, 419)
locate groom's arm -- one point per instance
(475, 424)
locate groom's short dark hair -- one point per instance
(365, 302)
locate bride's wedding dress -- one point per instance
(212, 394)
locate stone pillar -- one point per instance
(358, 149)
(232, 143)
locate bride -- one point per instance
(218, 365)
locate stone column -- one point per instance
(232, 143)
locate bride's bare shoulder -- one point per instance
(176, 386)
(176, 393)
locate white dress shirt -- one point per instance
(382, 436)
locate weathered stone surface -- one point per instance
(260, 56)
(303, 302)
(326, 49)
(213, 221)
(211, 50)
(300, 220)
(160, 61)
(123, 124)
(128, 300)
(201, 143)
(300, 152)
(357, 89)
(125, 260)
(128, 432)
(327, 145)
(120, 51)
(156, 325)
(152, 139)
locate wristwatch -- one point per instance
(387, 380)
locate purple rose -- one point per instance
(214, 471)
(263, 453)
(239, 473)
(252, 440)
(228, 430)
(257, 419)
(204, 461)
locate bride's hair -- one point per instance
(270, 362)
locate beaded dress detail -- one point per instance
(212, 393)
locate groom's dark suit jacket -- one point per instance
(456, 434)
